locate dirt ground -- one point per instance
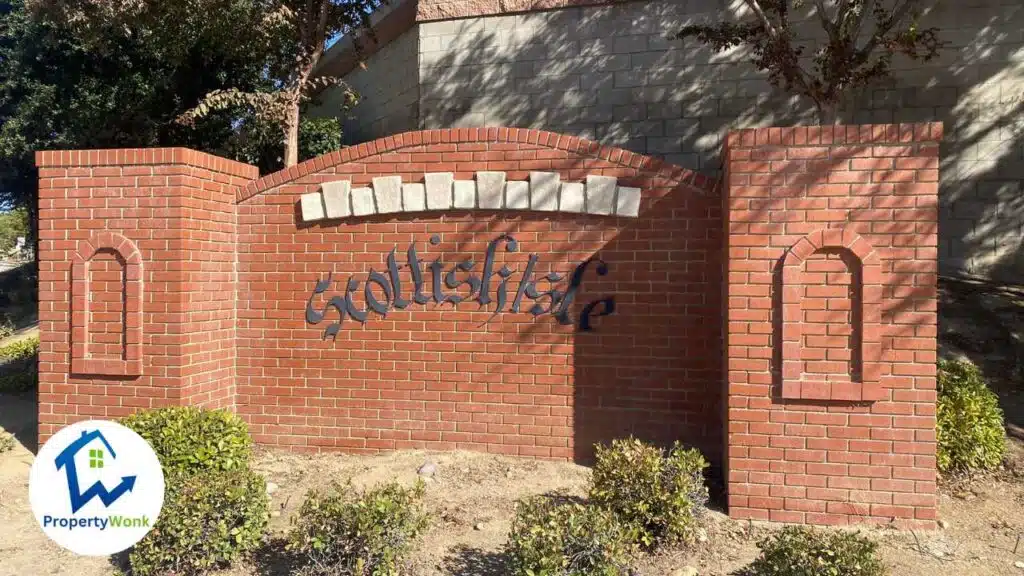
(471, 498)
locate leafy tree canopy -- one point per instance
(67, 82)
(289, 37)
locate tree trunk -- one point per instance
(827, 113)
(291, 134)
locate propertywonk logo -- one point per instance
(96, 488)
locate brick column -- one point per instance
(136, 281)
(831, 323)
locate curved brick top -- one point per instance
(553, 140)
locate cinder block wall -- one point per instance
(610, 73)
(388, 93)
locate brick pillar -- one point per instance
(136, 281)
(831, 337)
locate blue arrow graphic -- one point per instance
(66, 460)
(98, 490)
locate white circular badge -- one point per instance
(96, 488)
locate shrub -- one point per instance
(340, 532)
(567, 539)
(802, 551)
(21, 349)
(969, 421)
(7, 441)
(208, 521)
(660, 496)
(6, 327)
(19, 368)
(188, 439)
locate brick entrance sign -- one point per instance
(521, 292)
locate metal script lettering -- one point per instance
(551, 301)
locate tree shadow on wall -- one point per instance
(610, 74)
(652, 369)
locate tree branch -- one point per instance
(844, 5)
(883, 28)
(825, 22)
(756, 7)
(868, 6)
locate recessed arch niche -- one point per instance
(87, 357)
(861, 381)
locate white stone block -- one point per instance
(414, 197)
(628, 203)
(601, 194)
(439, 190)
(388, 192)
(362, 202)
(544, 190)
(336, 198)
(517, 195)
(490, 186)
(572, 197)
(465, 193)
(312, 205)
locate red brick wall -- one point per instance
(831, 323)
(169, 215)
(448, 377)
(826, 301)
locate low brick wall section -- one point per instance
(543, 311)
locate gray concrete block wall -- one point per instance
(388, 89)
(611, 74)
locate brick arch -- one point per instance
(868, 296)
(654, 167)
(130, 363)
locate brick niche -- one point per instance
(790, 336)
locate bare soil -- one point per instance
(471, 499)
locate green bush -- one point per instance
(7, 441)
(208, 521)
(6, 327)
(341, 532)
(969, 421)
(802, 551)
(19, 366)
(21, 349)
(567, 539)
(660, 496)
(188, 439)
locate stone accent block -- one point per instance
(628, 201)
(362, 202)
(572, 198)
(465, 193)
(388, 192)
(439, 190)
(312, 205)
(544, 191)
(601, 194)
(490, 187)
(414, 197)
(336, 198)
(517, 195)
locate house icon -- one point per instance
(66, 460)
